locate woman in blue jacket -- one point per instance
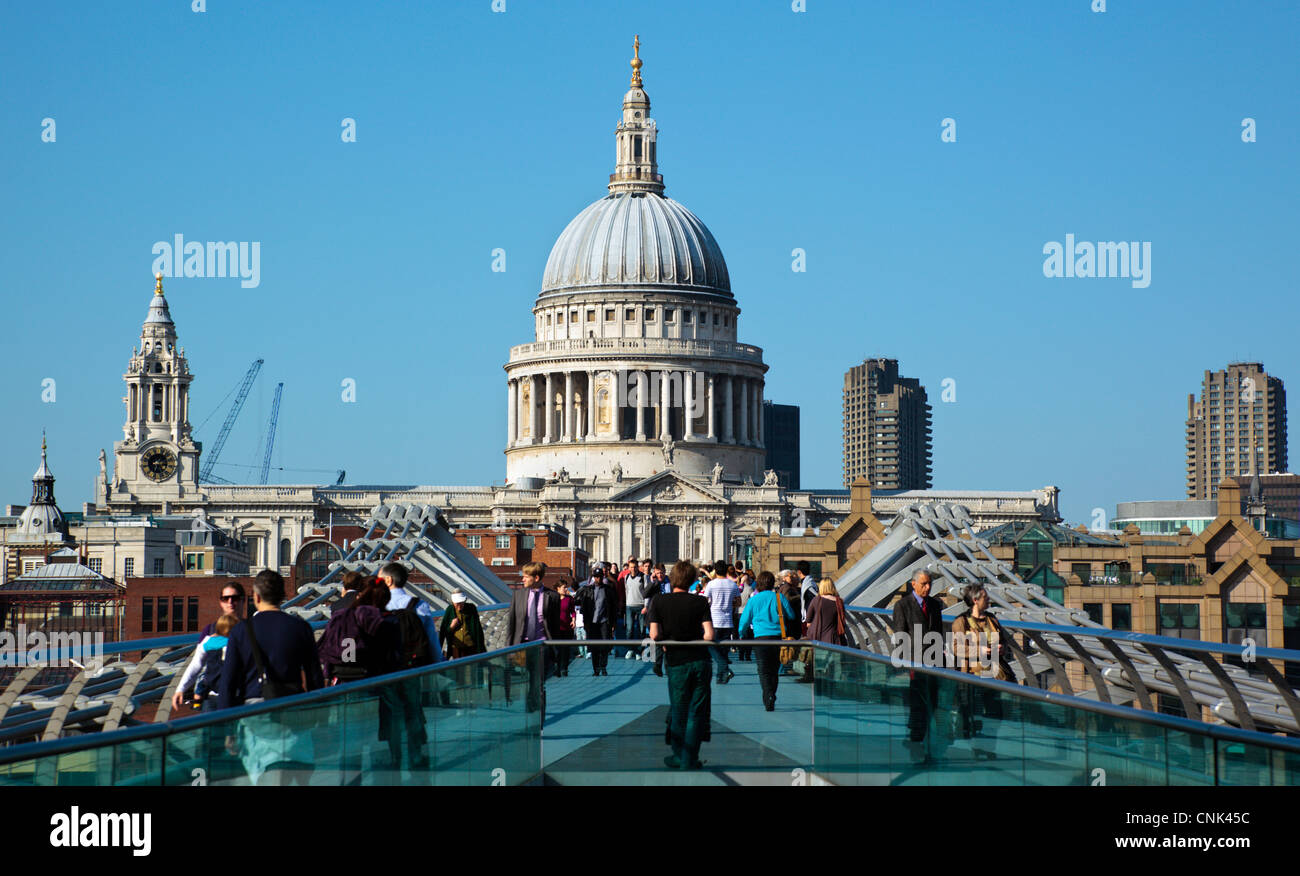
(764, 612)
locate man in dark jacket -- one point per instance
(287, 644)
(598, 602)
(918, 619)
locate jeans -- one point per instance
(768, 660)
(721, 659)
(688, 709)
(635, 626)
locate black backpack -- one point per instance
(413, 646)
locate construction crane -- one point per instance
(270, 433)
(210, 459)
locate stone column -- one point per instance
(744, 410)
(688, 406)
(512, 411)
(568, 406)
(713, 431)
(591, 407)
(758, 405)
(548, 408)
(728, 423)
(664, 393)
(641, 393)
(618, 409)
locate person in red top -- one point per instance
(568, 611)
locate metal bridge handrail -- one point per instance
(1197, 645)
(170, 642)
(1171, 722)
(90, 741)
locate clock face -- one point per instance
(159, 463)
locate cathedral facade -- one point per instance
(633, 417)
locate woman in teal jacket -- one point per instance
(764, 612)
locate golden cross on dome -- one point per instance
(636, 61)
(157, 286)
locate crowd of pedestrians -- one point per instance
(377, 626)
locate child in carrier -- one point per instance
(213, 650)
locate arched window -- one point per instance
(314, 560)
(286, 552)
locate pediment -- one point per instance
(667, 487)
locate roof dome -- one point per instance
(636, 239)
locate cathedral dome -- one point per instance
(636, 238)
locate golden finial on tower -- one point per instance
(157, 284)
(636, 61)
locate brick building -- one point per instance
(507, 550)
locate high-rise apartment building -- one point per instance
(781, 434)
(886, 427)
(1236, 429)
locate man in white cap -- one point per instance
(461, 630)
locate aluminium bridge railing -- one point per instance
(1134, 668)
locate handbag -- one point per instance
(786, 653)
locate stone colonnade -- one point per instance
(554, 407)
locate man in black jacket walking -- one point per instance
(598, 602)
(918, 618)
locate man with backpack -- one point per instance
(416, 637)
(410, 619)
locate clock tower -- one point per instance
(156, 461)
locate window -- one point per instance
(162, 614)
(559, 318)
(158, 566)
(649, 314)
(715, 318)
(286, 552)
(502, 561)
(474, 542)
(219, 564)
(1181, 620)
(128, 570)
(178, 613)
(97, 564)
(609, 314)
(1094, 611)
(686, 316)
(591, 314)
(31, 565)
(1121, 616)
(146, 615)
(193, 561)
(503, 542)
(630, 314)
(65, 609)
(192, 614)
(526, 542)
(314, 560)
(548, 319)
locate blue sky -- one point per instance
(819, 130)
